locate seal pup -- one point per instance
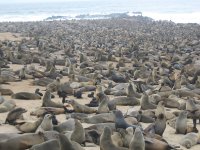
(106, 141)
(67, 125)
(48, 145)
(181, 123)
(137, 141)
(80, 108)
(46, 124)
(37, 91)
(78, 134)
(145, 103)
(15, 114)
(47, 102)
(189, 140)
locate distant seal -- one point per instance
(26, 96)
(81, 108)
(117, 139)
(137, 142)
(7, 105)
(145, 103)
(78, 134)
(46, 124)
(14, 114)
(100, 127)
(189, 140)
(181, 123)
(47, 102)
(48, 145)
(106, 141)
(42, 82)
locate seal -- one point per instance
(80, 108)
(103, 107)
(47, 102)
(28, 127)
(189, 140)
(181, 123)
(78, 134)
(7, 105)
(145, 103)
(46, 124)
(99, 118)
(42, 110)
(120, 122)
(48, 145)
(21, 142)
(106, 141)
(159, 126)
(68, 125)
(54, 86)
(137, 142)
(26, 96)
(15, 114)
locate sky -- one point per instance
(36, 1)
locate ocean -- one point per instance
(179, 11)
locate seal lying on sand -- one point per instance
(7, 105)
(26, 96)
(48, 145)
(190, 140)
(81, 108)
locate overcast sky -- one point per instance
(36, 1)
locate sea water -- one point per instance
(179, 11)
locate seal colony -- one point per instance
(121, 83)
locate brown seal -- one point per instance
(145, 103)
(181, 123)
(26, 96)
(22, 142)
(28, 127)
(81, 108)
(78, 134)
(159, 126)
(14, 115)
(48, 145)
(137, 142)
(190, 140)
(106, 141)
(47, 102)
(7, 105)
(46, 124)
